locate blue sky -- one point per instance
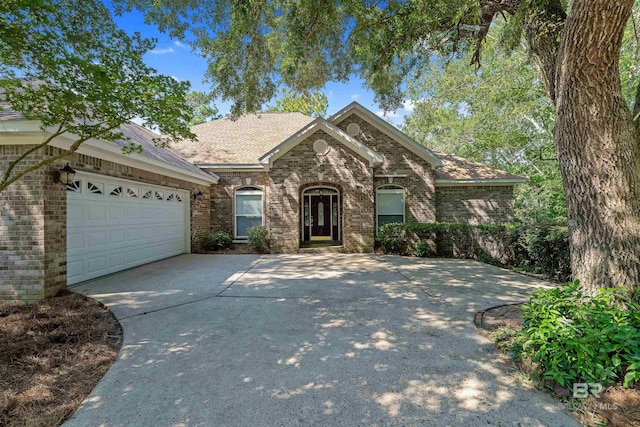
(171, 57)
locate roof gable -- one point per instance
(333, 131)
(240, 141)
(387, 129)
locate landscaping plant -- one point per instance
(258, 238)
(218, 240)
(575, 338)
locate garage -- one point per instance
(114, 224)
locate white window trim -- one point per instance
(390, 191)
(242, 192)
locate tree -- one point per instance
(65, 64)
(498, 115)
(301, 45)
(312, 104)
(204, 110)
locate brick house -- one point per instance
(121, 210)
(308, 180)
(337, 180)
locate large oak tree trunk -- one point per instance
(597, 147)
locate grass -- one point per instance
(52, 354)
(616, 406)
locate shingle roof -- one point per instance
(457, 168)
(7, 114)
(140, 135)
(241, 141)
(136, 134)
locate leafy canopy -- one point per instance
(255, 47)
(312, 104)
(498, 115)
(65, 64)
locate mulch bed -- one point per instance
(235, 249)
(617, 406)
(52, 354)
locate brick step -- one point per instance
(322, 250)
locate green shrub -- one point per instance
(424, 250)
(258, 237)
(573, 338)
(217, 240)
(539, 248)
(393, 239)
(544, 248)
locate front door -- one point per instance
(320, 217)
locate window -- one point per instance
(248, 210)
(390, 205)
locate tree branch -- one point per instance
(6, 181)
(14, 163)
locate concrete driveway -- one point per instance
(326, 340)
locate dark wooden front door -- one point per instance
(320, 217)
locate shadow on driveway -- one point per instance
(310, 340)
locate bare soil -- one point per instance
(616, 406)
(52, 354)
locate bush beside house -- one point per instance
(538, 248)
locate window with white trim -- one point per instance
(248, 209)
(389, 205)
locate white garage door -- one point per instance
(114, 224)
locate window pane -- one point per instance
(249, 204)
(390, 203)
(389, 219)
(243, 223)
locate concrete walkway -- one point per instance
(327, 340)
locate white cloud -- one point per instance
(329, 94)
(180, 44)
(409, 105)
(162, 51)
(355, 96)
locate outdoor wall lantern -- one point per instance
(198, 195)
(65, 175)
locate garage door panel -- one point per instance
(117, 261)
(117, 237)
(97, 213)
(121, 229)
(117, 213)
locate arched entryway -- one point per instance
(321, 214)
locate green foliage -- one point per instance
(258, 238)
(424, 250)
(393, 239)
(65, 64)
(202, 106)
(312, 104)
(544, 248)
(217, 240)
(499, 115)
(575, 338)
(537, 248)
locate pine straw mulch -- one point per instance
(52, 354)
(616, 406)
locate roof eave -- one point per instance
(479, 181)
(321, 124)
(391, 131)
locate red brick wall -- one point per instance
(33, 221)
(419, 181)
(303, 167)
(475, 204)
(222, 207)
